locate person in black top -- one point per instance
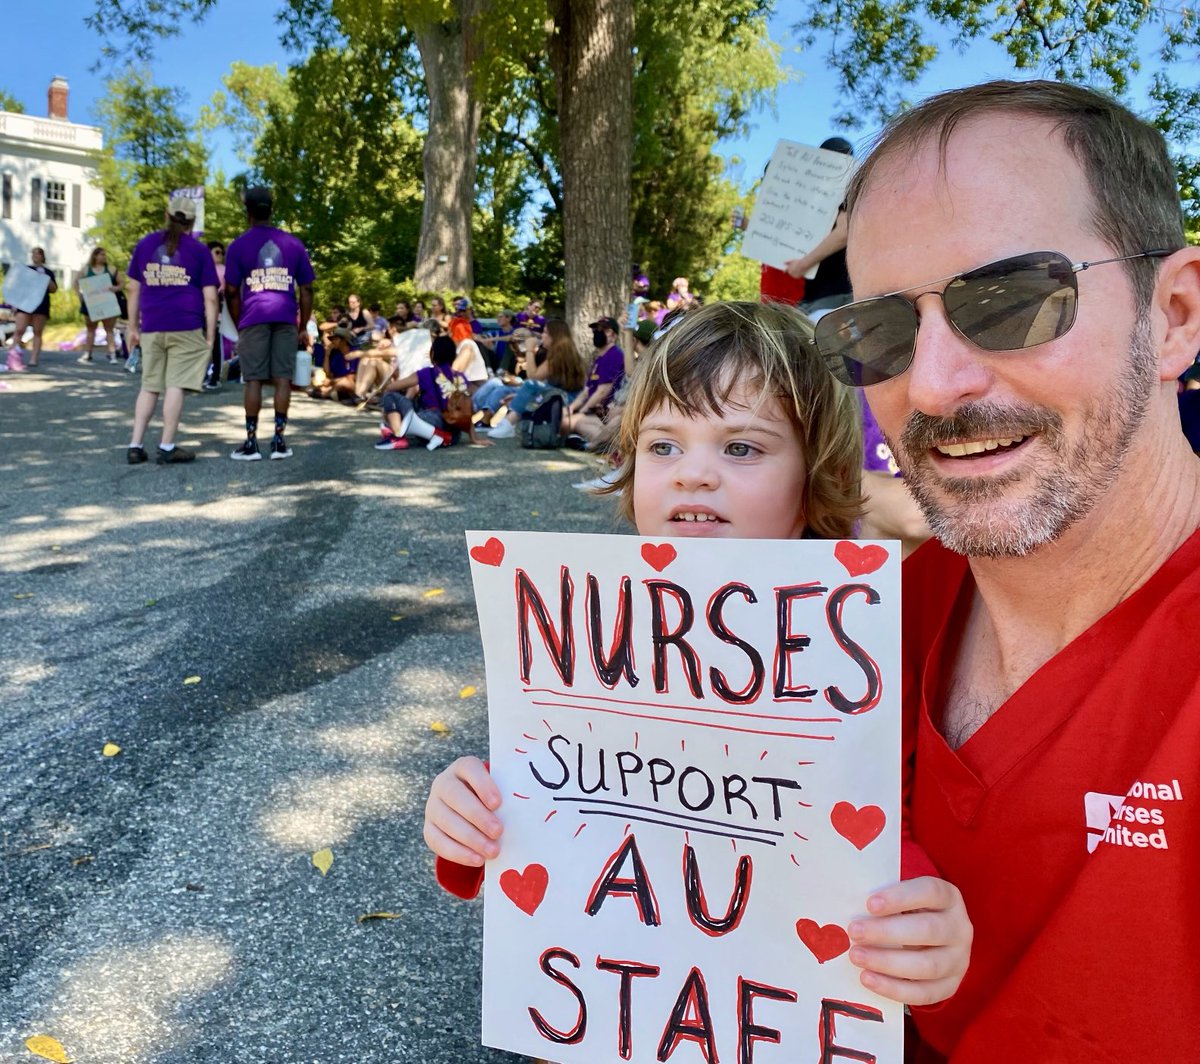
(830, 288)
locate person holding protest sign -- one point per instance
(1027, 301)
(733, 429)
(97, 266)
(34, 319)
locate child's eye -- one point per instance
(737, 449)
(661, 448)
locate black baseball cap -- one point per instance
(605, 323)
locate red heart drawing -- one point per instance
(491, 553)
(859, 826)
(658, 555)
(860, 560)
(525, 889)
(824, 943)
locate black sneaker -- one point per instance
(248, 452)
(279, 449)
(174, 456)
(211, 386)
(136, 455)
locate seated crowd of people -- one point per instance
(412, 363)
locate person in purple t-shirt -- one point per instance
(583, 420)
(265, 268)
(172, 292)
(424, 419)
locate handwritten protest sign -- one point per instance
(698, 745)
(796, 204)
(25, 287)
(100, 299)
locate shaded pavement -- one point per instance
(160, 905)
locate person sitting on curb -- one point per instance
(426, 418)
(585, 417)
(561, 366)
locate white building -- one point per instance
(49, 195)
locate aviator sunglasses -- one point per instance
(1008, 305)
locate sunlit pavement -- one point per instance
(160, 904)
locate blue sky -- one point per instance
(246, 30)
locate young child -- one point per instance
(733, 428)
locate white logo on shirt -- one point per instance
(1118, 820)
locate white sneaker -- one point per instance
(605, 481)
(506, 430)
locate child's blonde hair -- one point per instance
(697, 364)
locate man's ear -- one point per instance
(1177, 299)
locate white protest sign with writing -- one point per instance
(698, 747)
(101, 302)
(797, 202)
(25, 287)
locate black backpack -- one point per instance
(539, 424)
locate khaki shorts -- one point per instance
(174, 360)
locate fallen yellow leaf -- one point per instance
(29, 594)
(401, 552)
(56, 547)
(87, 858)
(151, 602)
(433, 592)
(323, 860)
(191, 680)
(378, 916)
(111, 750)
(466, 692)
(42, 1045)
(439, 727)
(535, 513)
(397, 616)
(187, 487)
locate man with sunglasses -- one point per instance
(1025, 302)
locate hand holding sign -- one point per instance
(697, 746)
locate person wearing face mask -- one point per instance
(584, 418)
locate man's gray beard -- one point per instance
(1071, 481)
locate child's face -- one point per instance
(738, 475)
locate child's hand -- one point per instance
(915, 946)
(460, 822)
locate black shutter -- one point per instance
(35, 194)
(7, 197)
(75, 207)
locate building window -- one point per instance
(56, 201)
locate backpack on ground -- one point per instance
(538, 428)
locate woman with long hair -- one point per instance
(35, 319)
(560, 366)
(97, 266)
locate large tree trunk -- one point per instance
(591, 52)
(444, 259)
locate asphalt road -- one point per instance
(161, 905)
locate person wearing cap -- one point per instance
(268, 288)
(172, 294)
(337, 376)
(463, 325)
(830, 288)
(585, 416)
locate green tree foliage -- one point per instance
(9, 103)
(244, 107)
(148, 151)
(696, 81)
(343, 159)
(880, 47)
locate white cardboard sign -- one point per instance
(101, 302)
(797, 202)
(698, 745)
(25, 287)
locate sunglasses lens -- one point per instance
(869, 342)
(1014, 304)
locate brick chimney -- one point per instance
(57, 99)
